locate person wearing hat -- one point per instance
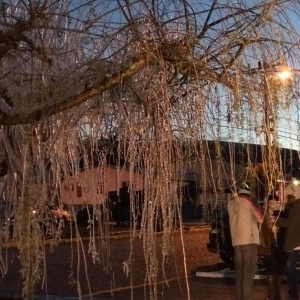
(291, 243)
(244, 219)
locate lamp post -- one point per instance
(278, 77)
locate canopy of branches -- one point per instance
(55, 55)
(161, 77)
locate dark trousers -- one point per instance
(292, 275)
(276, 261)
(245, 260)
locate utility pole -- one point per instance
(271, 160)
(268, 120)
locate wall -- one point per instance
(92, 186)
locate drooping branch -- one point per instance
(210, 66)
(173, 53)
(64, 104)
(4, 95)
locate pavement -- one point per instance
(96, 270)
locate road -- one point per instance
(71, 271)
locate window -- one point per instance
(100, 187)
(79, 191)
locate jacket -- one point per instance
(267, 236)
(292, 234)
(244, 216)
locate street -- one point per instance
(67, 272)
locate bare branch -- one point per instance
(50, 109)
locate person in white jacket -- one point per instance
(244, 219)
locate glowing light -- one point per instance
(284, 74)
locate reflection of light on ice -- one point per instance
(225, 273)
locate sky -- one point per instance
(251, 129)
(248, 131)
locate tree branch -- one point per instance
(59, 106)
(4, 95)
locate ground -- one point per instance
(105, 278)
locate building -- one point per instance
(92, 186)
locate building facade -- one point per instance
(92, 186)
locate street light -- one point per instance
(284, 74)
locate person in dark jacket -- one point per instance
(271, 248)
(123, 205)
(292, 236)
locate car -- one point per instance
(61, 211)
(219, 236)
(90, 215)
(7, 222)
(53, 217)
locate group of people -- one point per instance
(274, 232)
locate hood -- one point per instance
(243, 191)
(293, 190)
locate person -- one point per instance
(271, 248)
(123, 205)
(244, 219)
(291, 242)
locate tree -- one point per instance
(155, 73)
